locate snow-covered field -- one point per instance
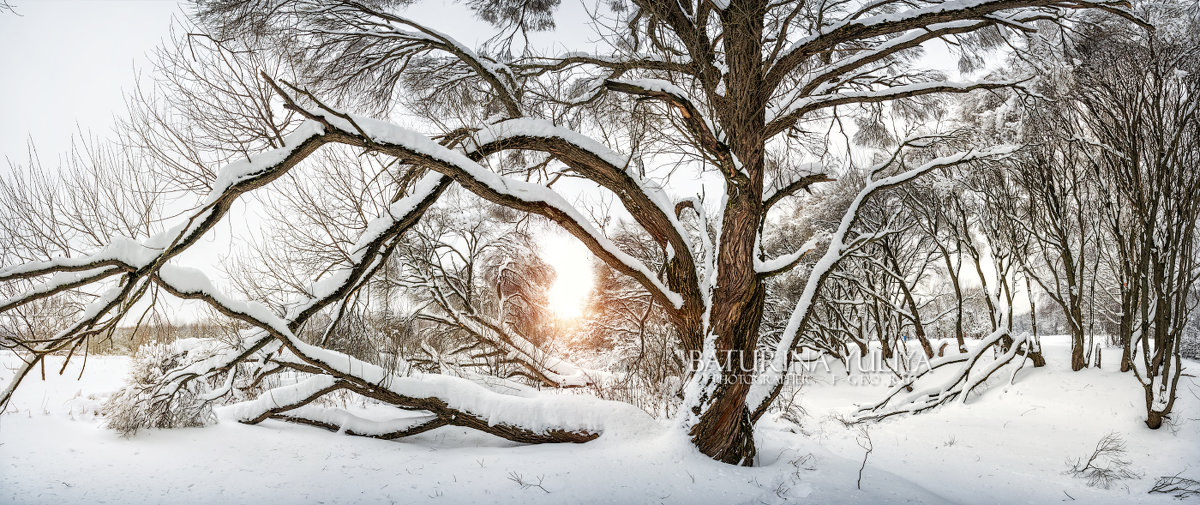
(1009, 444)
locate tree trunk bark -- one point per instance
(1126, 332)
(724, 430)
(1078, 359)
(918, 328)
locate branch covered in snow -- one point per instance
(768, 384)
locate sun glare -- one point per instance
(573, 283)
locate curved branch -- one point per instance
(489, 71)
(796, 111)
(697, 125)
(857, 27)
(802, 183)
(769, 382)
(339, 420)
(415, 148)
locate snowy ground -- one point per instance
(1008, 445)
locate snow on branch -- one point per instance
(770, 381)
(464, 168)
(785, 262)
(905, 397)
(534, 417)
(549, 418)
(868, 23)
(698, 125)
(537, 365)
(802, 179)
(57, 283)
(456, 401)
(832, 75)
(123, 253)
(645, 200)
(140, 262)
(340, 420)
(781, 120)
(357, 23)
(367, 256)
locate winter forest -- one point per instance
(614, 251)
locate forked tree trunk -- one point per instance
(1078, 360)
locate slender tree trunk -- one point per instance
(1036, 346)
(918, 328)
(1126, 329)
(958, 300)
(1074, 312)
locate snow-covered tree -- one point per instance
(729, 90)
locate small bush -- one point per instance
(1106, 465)
(135, 407)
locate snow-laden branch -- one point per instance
(460, 402)
(340, 420)
(518, 194)
(768, 383)
(533, 417)
(547, 418)
(830, 76)
(906, 397)
(800, 180)
(367, 256)
(781, 120)
(617, 65)
(645, 200)
(785, 262)
(865, 25)
(550, 370)
(141, 261)
(57, 283)
(700, 127)
(363, 22)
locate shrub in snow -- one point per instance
(1106, 465)
(135, 406)
(355, 335)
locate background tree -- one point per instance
(1135, 94)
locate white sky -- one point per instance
(66, 62)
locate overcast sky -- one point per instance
(66, 62)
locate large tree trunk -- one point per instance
(724, 430)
